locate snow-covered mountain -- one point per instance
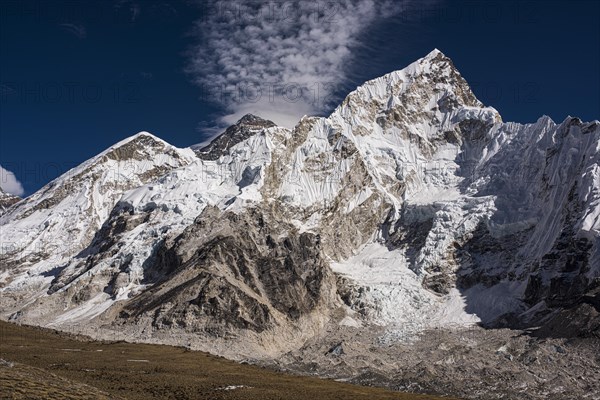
(56, 223)
(412, 206)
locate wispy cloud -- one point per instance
(9, 183)
(77, 30)
(133, 8)
(279, 59)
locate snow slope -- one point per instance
(57, 222)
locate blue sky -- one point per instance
(79, 76)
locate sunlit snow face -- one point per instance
(279, 60)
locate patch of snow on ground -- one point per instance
(234, 387)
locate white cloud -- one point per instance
(279, 59)
(9, 183)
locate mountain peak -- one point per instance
(429, 84)
(434, 53)
(143, 137)
(437, 57)
(138, 136)
(245, 127)
(251, 119)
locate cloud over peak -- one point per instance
(279, 59)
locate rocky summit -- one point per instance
(412, 239)
(7, 200)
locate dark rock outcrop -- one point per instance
(247, 126)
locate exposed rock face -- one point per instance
(7, 200)
(247, 126)
(412, 207)
(232, 271)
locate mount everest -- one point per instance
(412, 207)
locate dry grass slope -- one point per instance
(52, 365)
(19, 381)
